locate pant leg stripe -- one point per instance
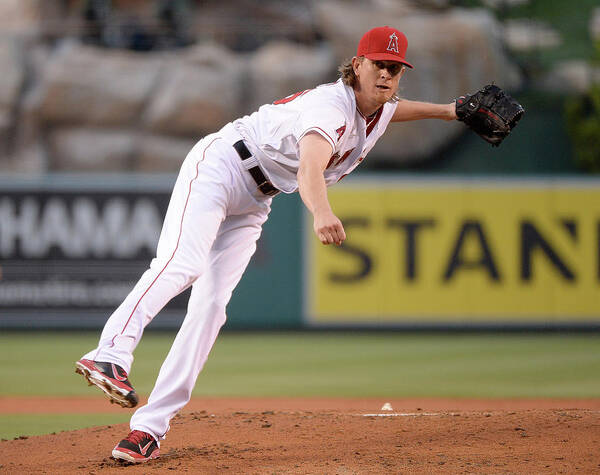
(176, 246)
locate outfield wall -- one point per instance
(481, 251)
(72, 247)
(421, 253)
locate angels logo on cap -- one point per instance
(393, 46)
(384, 43)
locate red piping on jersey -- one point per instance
(176, 246)
(319, 128)
(371, 125)
(291, 97)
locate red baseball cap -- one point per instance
(384, 43)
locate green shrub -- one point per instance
(583, 125)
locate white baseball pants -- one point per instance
(213, 221)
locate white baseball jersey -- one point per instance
(214, 219)
(273, 132)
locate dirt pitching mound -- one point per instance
(261, 436)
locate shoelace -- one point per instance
(137, 436)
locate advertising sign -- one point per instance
(64, 249)
(72, 247)
(459, 251)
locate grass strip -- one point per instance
(24, 425)
(330, 365)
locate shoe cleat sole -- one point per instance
(115, 396)
(125, 458)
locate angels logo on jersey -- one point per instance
(341, 131)
(393, 46)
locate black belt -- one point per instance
(264, 185)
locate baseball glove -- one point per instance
(490, 113)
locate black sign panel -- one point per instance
(72, 252)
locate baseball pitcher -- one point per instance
(222, 197)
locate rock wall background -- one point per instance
(67, 104)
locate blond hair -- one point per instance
(346, 71)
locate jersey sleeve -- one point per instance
(329, 122)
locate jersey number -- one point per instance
(291, 97)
